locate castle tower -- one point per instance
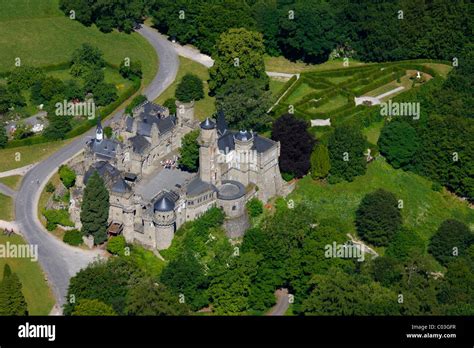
(244, 155)
(99, 132)
(208, 166)
(165, 222)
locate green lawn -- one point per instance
(6, 208)
(204, 107)
(21, 156)
(373, 131)
(12, 181)
(40, 35)
(333, 103)
(281, 64)
(276, 85)
(35, 289)
(300, 91)
(424, 209)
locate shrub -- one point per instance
(50, 187)
(170, 104)
(378, 218)
(255, 207)
(67, 175)
(135, 102)
(73, 237)
(57, 217)
(108, 132)
(452, 239)
(116, 245)
(406, 243)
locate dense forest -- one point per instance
(309, 30)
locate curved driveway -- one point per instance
(60, 261)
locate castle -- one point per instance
(148, 202)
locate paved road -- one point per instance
(60, 261)
(282, 304)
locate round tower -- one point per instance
(164, 220)
(243, 141)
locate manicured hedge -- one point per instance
(286, 86)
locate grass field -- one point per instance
(281, 64)
(423, 211)
(333, 103)
(27, 154)
(13, 181)
(300, 91)
(276, 85)
(35, 289)
(204, 107)
(373, 131)
(6, 208)
(40, 35)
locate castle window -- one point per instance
(234, 207)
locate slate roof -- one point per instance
(261, 144)
(243, 136)
(197, 187)
(164, 204)
(110, 174)
(221, 123)
(151, 114)
(139, 143)
(106, 148)
(208, 124)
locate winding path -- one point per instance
(60, 261)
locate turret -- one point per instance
(99, 132)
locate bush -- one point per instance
(73, 237)
(170, 104)
(134, 70)
(116, 245)
(406, 243)
(67, 175)
(57, 217)
(139, 99)
(255, 207)
(452, 239)
(378, 218)
(190, 88)
(50, 187)
(287, 176)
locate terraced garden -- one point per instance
(330, 93)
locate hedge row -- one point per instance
(380, 82)
(286, 86)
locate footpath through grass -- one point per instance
(423, 209)
(12, 182)
(38, 296)
(39, 34)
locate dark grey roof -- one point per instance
(164, 204)
(197, 187)
(226, 142)
(120, 186)
(221, 123)
(129, 124)
(261, 144)
(103, 168)
(164, 124)
(208, 124)
(230, 189)
(139, 143)
(106, 148)
(243, 135)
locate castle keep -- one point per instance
(149, 202)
